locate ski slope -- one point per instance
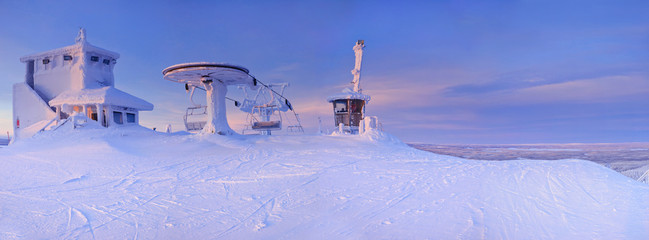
(134, 183)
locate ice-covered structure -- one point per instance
(76, 80)
(215, 79)
(267, 110)
(349, 105)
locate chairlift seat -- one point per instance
(195, 126)
(195, 118)
(269, 125)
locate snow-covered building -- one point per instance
(74, 80)
(349, 105)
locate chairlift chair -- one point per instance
(297, 127)
(269, 118)
(265, 109)
(195, 118)
(196, 115)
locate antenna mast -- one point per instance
(358, 49)
(81, 37)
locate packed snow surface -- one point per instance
(133, 183)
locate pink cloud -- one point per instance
(594, 90)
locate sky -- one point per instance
(441, 72)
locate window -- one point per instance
(63, 115)
(130, 117)
(106, 61)
(117, 117)
(94, 58)
(67, 57)
(92, 112)
(356, 105)
(340, 106)
(46, 61)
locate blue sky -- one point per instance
(437, 71)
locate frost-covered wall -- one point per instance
(74, 68)
(53, 75)
(28, 110)
(98, 70)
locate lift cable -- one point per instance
(236, 103)
(255, 81)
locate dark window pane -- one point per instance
(106, 61)
(356, 106)
(117, 117)
(94, 58)
(46, 61)
(130, 117)
(67, 57)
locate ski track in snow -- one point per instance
(314, 187)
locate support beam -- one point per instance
(109, 116)
(100, 115)
(217, 122)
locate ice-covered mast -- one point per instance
(358, 49)
(81, 37)
(349, 105)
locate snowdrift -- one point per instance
(128, 183)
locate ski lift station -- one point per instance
(264, 108)
(214, 78)
(73, 82)
(349, 105)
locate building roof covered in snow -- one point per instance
(348, 93)
(81, 44)
(105, 95)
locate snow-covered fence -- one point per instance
(368, 123)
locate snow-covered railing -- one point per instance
(60, 124)
(49, 124)
(79, 120)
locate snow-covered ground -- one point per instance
(133, 183)
(630, 159)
